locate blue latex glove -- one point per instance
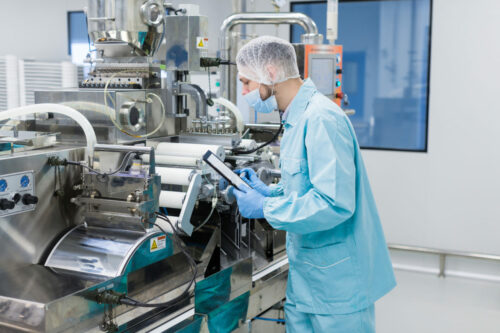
(223, 183)
(253, 180)
(250, 203)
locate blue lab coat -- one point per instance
(338, 258)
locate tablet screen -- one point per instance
(224, 170)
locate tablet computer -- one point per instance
(218, 165)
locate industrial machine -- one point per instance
(109, 218)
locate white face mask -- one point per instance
(253, 99)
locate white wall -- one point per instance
(448, 197)
(36, 29)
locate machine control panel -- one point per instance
(323, 64)
(17, 193)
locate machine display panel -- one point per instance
(322, 72)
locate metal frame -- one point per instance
(311, 33)
(443, 254)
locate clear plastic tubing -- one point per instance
(234, 109)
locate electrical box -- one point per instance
(323, 64)
(186, 42)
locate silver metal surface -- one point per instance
(228, 89)
(98, 245)
(102, 252)
(311, 38)
(132, 115)
(123, 199)
(472, 255)
(268, 175)
(34, 298)
(125, 21)
(28, 293)
(263, 126)
(152, 12)
(184, 32)
(443, 254)
(267, 241)
(269, 286)
(28, 139)
(163, 327)
(199, 98)
(272, 268)
(267, 291)
(25, 237)
(90, 103)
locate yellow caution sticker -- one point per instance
(202, 43)
(157, 243)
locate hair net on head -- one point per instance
(254, 58)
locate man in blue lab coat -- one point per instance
(339, 263)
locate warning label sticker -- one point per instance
(202, 43)
(157, 243)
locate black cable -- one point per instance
(177, 239)
(124, 162)
(186, 293)
(227, 62)
(242, 152)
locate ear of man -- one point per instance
(272, 70)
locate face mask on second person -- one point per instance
(267, 106)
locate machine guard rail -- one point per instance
(443, 254)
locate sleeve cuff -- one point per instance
(267, 208)
(275, 190)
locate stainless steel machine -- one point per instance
(133, 232)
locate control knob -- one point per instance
(29, 199)
(6, 204)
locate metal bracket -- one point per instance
(102, 18)
(184, 221)
(195, 92)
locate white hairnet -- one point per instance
(254, 58)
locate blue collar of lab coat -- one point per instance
(300, 102)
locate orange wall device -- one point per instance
(323, 64)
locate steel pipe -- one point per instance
(256, 18)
